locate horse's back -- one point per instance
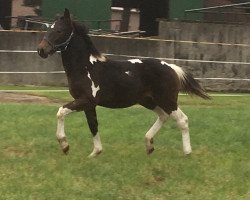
(149, 71)
(128, 82)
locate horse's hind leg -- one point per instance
(61, 137)
(182, 122)
(162, 117)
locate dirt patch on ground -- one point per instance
(8, 97)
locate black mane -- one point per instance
(82, 31)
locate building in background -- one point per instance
(120, 15)
(150, 12)
(95, 13)
(5, 13)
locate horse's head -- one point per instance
(57, 37)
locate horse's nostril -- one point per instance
(41, 53)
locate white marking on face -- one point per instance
(135, 61)
(179, 71)
(93, 59)
(53, 25)
(93, 87)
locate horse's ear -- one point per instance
(66, 13)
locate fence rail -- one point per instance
(129, 57)
(220, 13)
(216, 7)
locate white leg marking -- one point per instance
(135, 61)
(60, 127)
(182, 122)
(93, 87)
(60, 121)
(162, 117)
(97, 146)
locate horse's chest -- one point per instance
(80, 86)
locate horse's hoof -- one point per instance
(64, 144)
(149, 151)
(149, 145)
(188, 153)
(66, 149)
(95, 153)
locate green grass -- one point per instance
(32, 165)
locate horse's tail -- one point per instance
(188, 83)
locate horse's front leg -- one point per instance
(60, 134)
(93, 126)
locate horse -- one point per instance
(95, 80)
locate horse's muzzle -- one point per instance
(44, 49)
(42, 53)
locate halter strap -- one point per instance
(63, 46)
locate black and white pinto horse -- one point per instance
(95, 80)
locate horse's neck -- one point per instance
(82, 56)
(76, 56)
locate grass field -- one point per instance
(32, 165)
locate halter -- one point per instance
(63, 46)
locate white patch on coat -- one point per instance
(129, 73)
(93, 87)
(178, 70)
(93, 59)
(135, 61)
(53, 25)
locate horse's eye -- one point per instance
(59, 31)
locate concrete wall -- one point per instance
(204, 32)
(225, 47)
(26, 61)
(186, 51)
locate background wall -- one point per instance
(83, 10)
(220, 66)
(223, 50)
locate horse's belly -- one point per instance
(116, 105)
(114, 100)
